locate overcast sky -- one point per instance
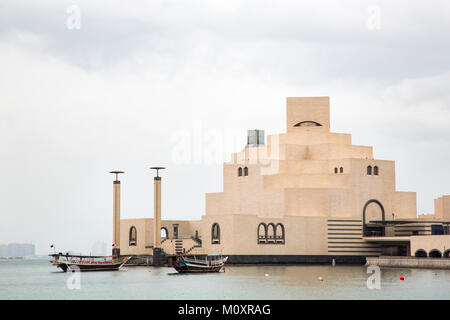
(138, 80)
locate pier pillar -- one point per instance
(116, 214)
(158, 255)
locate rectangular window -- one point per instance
(175, 231)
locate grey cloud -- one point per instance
(301, 42)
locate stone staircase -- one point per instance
(198, 244)
(180, 246)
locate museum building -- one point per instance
(306, 196)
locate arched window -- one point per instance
(421, 253)
(271, 233)
(262, 233)
(308, 124)
(369, 170)
(215, 233)
(341, 170)
(279, 232)
(240, 172)
(335, 170)
(245, 171)
(435, 253)
(375, 170)
(133, 236)
(164, 233)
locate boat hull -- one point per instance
(184, 265)
(87, 263)
(87, 267)
(191, 269)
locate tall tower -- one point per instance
(158, 256)
(116, 213)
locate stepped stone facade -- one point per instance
(306, 196)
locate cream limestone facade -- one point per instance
(307, 196)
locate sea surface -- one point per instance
(38, 279)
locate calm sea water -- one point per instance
(37, 279)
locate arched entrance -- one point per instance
(435, 253)
(373, 219)
(447, 253)
(420, 253)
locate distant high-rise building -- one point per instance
(20, 250)
(98, 249)
(3, 250)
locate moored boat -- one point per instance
(211, 263)
(68, 262)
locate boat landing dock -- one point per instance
(409, 262)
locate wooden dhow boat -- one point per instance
(69, 262)
(211, 263)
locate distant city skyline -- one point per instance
(17, 250)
